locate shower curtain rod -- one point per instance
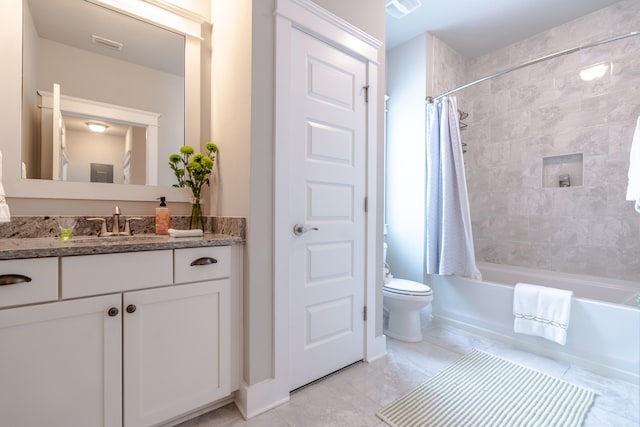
(430, 99)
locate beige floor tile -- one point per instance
(351, 397)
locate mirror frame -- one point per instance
(159, 13)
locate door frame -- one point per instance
(306, 16)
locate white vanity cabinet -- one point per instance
(134, 339)
(176, 347)
(88, 275)
(60, 364)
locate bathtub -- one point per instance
(604, 327)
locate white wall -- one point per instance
(369, 16)
(85, 148)
(138, 155)
(30, 111)
(231, 121)
(231, 103)
(405, 191)
(200, 7)
(261, 219)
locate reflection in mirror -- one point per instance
(75, 132)
(120, 146)
(100, 57)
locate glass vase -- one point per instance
(197, 221)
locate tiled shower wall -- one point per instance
(546, 110)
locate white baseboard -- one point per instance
(259, 398)
(377, 349)
(200, 411)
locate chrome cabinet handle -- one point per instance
(13, 279)
(300, 229)
(204, 261)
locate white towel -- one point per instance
(5, 215)
(185, 233)
(633, 189)
(542, 311)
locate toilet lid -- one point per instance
(407, 287)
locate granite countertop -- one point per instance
(40, 247)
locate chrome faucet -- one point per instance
(116, 221)
(115, 230)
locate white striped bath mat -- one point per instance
(485, 390)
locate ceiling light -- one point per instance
(105, 42)
(594, 72)
(401, 8)
(96, 127)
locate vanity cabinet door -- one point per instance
(176, 350)
(60, 364)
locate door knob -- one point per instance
(300, 229)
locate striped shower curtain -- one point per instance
(449, 240)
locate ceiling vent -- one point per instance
(104, 42)
(401, 8)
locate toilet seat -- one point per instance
(407, 287)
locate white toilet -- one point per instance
(402, 300)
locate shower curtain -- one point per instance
(449, 241)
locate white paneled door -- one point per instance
(327, 212)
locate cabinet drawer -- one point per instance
(107, 273)
(43, 286)
(196, 264)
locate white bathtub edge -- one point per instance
(602, 336)
(589, 365)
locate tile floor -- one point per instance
(352, 396)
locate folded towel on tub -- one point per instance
(542, 311)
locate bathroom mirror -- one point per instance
(100, 56)
(23, 67)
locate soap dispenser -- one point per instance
(163, 219)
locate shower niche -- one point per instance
(562, 171)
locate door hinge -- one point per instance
(366, 204)
(366, 93)
(364, 313)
